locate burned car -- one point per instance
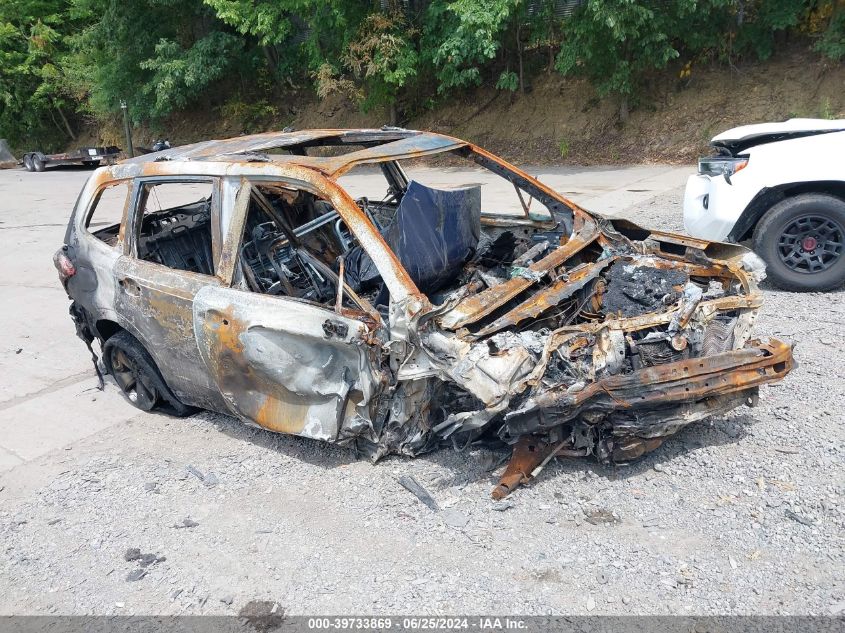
(241, 276)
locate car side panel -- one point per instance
(93, 286)
(156, 305)
(288, 365)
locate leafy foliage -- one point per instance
(383, 56)
(64, 61)
(831, 44)
(508, 80)
(762, 20)
(34, 101)
(157, 55)
(180, 74)
(463, 35)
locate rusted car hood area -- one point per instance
(599, 345)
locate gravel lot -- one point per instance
(742, 515)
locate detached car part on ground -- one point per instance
(397, 325)
(781, 185)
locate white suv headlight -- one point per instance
(725, 166)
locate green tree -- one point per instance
(616, 43)
(181, 74)
(463, 36)
(831, 43)
(383, 55)
(157, 55)
(758, 22)
(35, 107)
(298, 37)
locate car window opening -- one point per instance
(175, 228)
(292, 245)
(106, 213)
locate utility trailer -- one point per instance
(89, 156)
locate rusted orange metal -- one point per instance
(549, 297)
(528, 453)
(760, 362)
(480, 305)
(693, 380)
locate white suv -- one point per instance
(783, 186)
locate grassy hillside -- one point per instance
(560, 120)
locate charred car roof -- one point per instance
(376, 145)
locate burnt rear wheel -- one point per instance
(802, 240)
(132, 372)
(135, 384)
(135, 372)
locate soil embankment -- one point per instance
(561, 120)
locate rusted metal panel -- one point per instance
(480, 305)
(711, 381)
(694, 379)
(389, 144)
(548, 297)
(276, 366)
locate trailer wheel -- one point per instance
(27, 162)
(38, 162)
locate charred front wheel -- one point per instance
(802, 240)
(135, 372)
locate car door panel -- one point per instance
(287, 365)
(156, 301)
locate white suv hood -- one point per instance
(739, 138)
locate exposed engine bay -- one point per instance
(589, 345)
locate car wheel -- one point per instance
(27, 162)
(91, 163)
(135, 372)
(802, 240)
(38, 163)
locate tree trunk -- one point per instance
(55, 122)
(519, 60)
(272, 64)
(393, 116)
(65, 121)
(623, 109)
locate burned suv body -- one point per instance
(392, 324)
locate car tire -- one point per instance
(38, 162)
(91, 163)
(27, 162)
(802, 241)
(137, 376)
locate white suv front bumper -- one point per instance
(712, 207)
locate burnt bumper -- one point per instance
(639, 409)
